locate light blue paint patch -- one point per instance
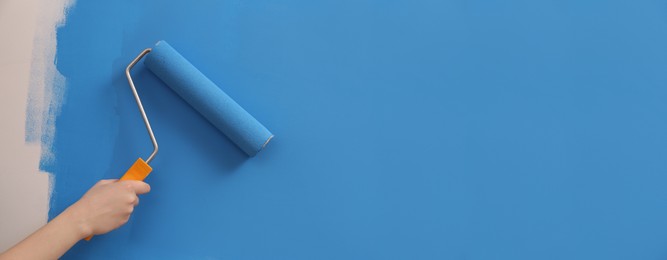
(405, 129)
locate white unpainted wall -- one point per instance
(27, 69)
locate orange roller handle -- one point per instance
(138, 172)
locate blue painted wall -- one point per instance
(404, 129)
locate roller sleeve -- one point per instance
(207, 98)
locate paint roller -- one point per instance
(203, 95)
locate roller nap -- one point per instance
(207, 98)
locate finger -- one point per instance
(139, 187)
(136, 201)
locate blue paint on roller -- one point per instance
(207, 98)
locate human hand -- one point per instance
(106, 206)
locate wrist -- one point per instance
(76, 222)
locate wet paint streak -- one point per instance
(404, 129)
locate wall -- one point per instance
(24, 190)
(404, 129)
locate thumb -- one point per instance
(139, 187)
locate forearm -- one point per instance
(105, 207)
(50, 241)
